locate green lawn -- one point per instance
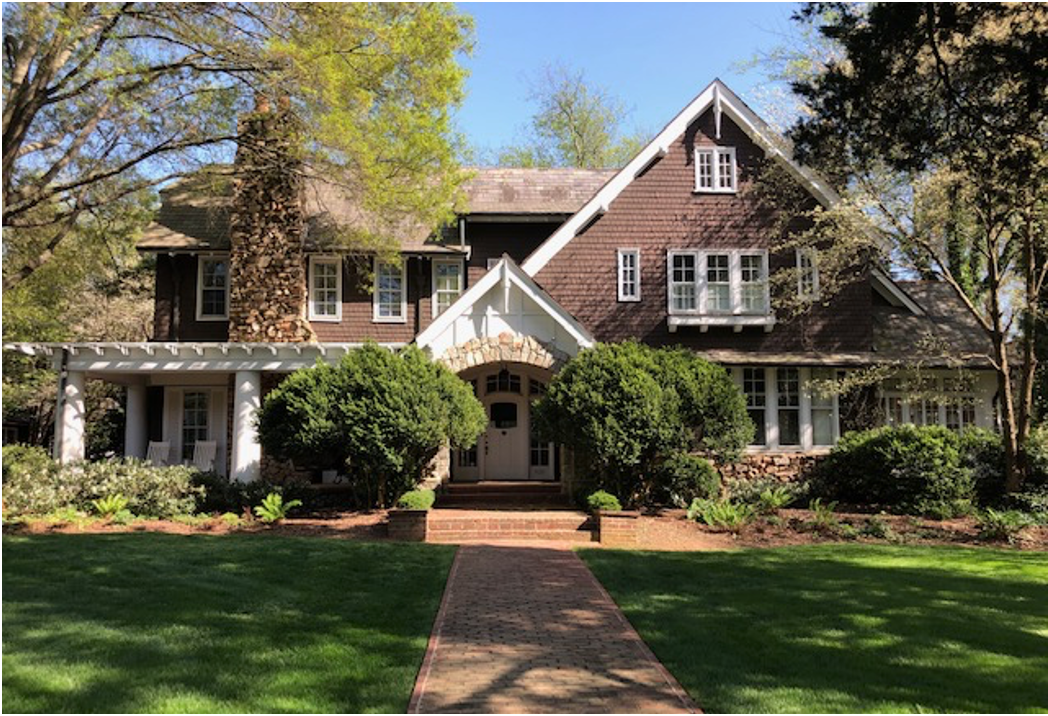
(162, 623)
(842, 627)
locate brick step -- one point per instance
(465, 525)
(502, 488)
(480, 502)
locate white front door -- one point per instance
(506, 439)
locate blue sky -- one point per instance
(653, 56)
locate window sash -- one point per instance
(628, 261)
(213, 288)
(447, 284)
(729, 282)
(325, 299)
(807, 273)
(195, 428)
(390, 292)
(715, 170)
(683, 282)
(752, 279)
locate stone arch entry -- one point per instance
(506, 348)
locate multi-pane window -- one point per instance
(822, 412)
(629, 274)
(683, 289)
(536, 388)
(788, 385)
(921, 402)
(715, 169)
(503, 382)
(194, 421)
(540, 452)
(468, 457)
(447, 284)
(390, 299)
(807, 273)
(960, 413)
(718, 283)
(325, 300)
(755, 390)
(213, 288)
(752, 282)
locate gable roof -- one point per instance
(722, 100)
(505, 272)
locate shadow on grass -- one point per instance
(842, 628)
(148, 622)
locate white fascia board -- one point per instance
(756, 128)
(886, 287)
(505, 269)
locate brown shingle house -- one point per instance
(669, 250)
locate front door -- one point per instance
(506, 439)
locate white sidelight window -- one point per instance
(629, 274)
(194, 421)
(325, 288)
(807, 273)
(788, 388)
(756, 392)
(447, 283)
(212, 288)
(715, 169)
(718, 283)
(684, 289)
(390, 296)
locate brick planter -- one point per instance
(618, 529)
(408, 525)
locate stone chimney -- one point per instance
(267, 267)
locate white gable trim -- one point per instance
(505, 273)
(716, 94)
(892, 293)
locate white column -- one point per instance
(247, 453)
(135, 426)
(69, 440)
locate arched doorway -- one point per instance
(509, 450)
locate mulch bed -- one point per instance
(662, 530)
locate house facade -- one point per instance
(670, 250)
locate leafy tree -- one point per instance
(625, 408)
(577, 125)
(378, 416)
(105, 100)
(932, 123)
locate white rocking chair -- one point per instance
(204, 456)
(158, 453)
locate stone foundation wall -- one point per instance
(784, 467)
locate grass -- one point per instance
(842, 628)
(165, 623)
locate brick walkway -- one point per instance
(530, 630)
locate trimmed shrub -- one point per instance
(684, 477)
(626, 408)
(417, 500)
(219, 494)
(601, 500)
(377, 415)
(34, 486)
(916, 470)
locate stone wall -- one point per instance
(267, 297)
(507, 348)
(785, 467)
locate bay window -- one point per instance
(729, 287)
(683, 285)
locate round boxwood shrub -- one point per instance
(377, 415)
(603, 501)
(684, 477)
(417, 500)
(918, 470)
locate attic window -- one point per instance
(715, 170)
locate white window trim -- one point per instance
(201, 258)
(911, 403)
(715, 154)
(325, 259)
(735, 316)
(623, 297)
(771, 412)
(433, 281)
(813, 256)
(403, 317)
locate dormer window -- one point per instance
(715, 170)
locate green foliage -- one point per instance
(773, 499)
(218, 493)
(721, 515)
(910, 469)
(603, 501)
(750, 490)
(1033, 502)
(379, 416)
(823, 517)
(1002, 525)
(1037, 454)
(878, 528)
(983, 454)
(683, 477)
(122, 517)
(38, 486)
(231, 520)
(110, 505)
(417, 500)
(626, 408)
(274, 509)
